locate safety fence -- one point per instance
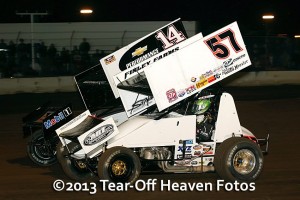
(65, 49)
(67, 84)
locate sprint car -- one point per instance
(39, 125)
(177, 119)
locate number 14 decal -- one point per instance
(173, 37)
(219, 49)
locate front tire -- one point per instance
(238, 159)
(39, 151)
(119, 164)
(73, 168)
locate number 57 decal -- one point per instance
(219, 49)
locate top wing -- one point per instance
(124, 68)
(175, 68)
(197, 66)
(137, 95)
(130, 57)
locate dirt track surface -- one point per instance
(264, 112)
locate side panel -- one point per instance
(197, 66)
(74, 122)
(135, 53)
(193, 153)
(163, 132)
(57, 119)
(119, 118)
(228, 122)
(71, 124)
(133, 102)
(92, 140)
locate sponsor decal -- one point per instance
(201, 83)
(186, 141)
(211, 79)
(57, 118)
(218, 69)
(217, 75)
(171, 95)
(228, 63)
(227, 70)
(208, 159)
(155, 43)
(233, 68)
(193, 79)
(136, 69)
(183, 162)
(110, 59)
(146, 63)
(188, 149)
(236, 67)
(188, 156)
(190, 89)
(139, 51)
(208, 150)
(189, 142)
(139, 104)
(95, 82)
(197, 153)
(194, 162)
(142, 58)
(207, 74)
(165, 54)
(98, 135)
(181, 93)
(197, 147)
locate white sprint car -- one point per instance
(174, 117)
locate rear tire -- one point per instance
(238, 159)
(39, 151)
(119, 164)
(74, 169)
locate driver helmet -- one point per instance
(200, 106)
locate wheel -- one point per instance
(238, 159)
(39, 151)
(73, 168)
(119, 164)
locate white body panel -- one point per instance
(110, 63)
(228, 122)
(246, 132)
(74, 122)
(71, 124)
(144, 132)
(128, 98)
(196, 67)
(119, 118)
(91, 140)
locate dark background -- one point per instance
(270, 110)
(209, 14)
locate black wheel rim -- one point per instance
(42, 150)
